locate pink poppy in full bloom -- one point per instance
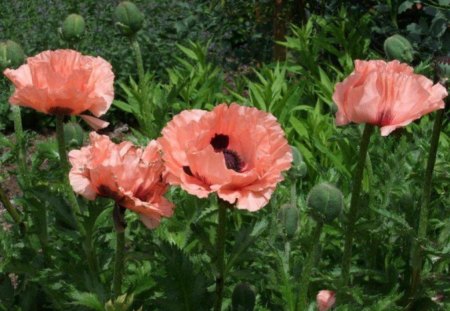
(387, 94)
(64, 82)
(325, 300)
(235, 151)
(131, 176)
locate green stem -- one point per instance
(416, 252)
(293, 194)
(65, 167)
(11, 210)
(308, 267)
(118, 263)
(138, 55)
(21, 159)
(354, 204)
(220, 244)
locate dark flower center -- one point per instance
(106, 192)
(232, 160)
(220, 142)
(60, 111)
(187, 170)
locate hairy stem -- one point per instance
(220, 247)
(119, 263)
(65, 167)
(138, 55)
(416, 252)
(309, 265)
(21, 159)
(354, 204)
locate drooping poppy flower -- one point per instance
(64, 82)
(131, 176)
(238, 152)
(325, 300)
(387, 94)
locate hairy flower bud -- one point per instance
(398, 47)
(325, 202)
(298, 168)
(128, 18)
(73, 28)
(288, 216)
(11, 55)
(243, 297)
(73, 134)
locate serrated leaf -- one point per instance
(85, 299)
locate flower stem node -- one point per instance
(398, 47)
(325, 202)
(128, 18)
(11, 55)
(73, 28)
(243, 297)
(288, 216)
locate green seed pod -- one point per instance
(128, 18)
(243, 297)
(73, 134)
(288, 216)
(298, 166)
(325, 202)
(11, 55)
(73, 28)
(398, 47)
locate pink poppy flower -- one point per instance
(389, 95)
(131, 176)
(325, 300)
(237, 152)
(64, 82)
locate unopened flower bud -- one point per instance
(398, 47)
(73, 28)
(288, 216)
(325, 202)
(243, 297)
(325, 300)
(298, 168)
(73, 134)
(11, 55)
(128, 18)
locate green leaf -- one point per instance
(244, 239)
(85, 299)
(124, 106)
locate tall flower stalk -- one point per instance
(65, 167)
(138, 55)
(308, 267)
(388, 95)
(416, 252)
(352, 215)
(220, 255)
(119, 226)
(21, 159)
